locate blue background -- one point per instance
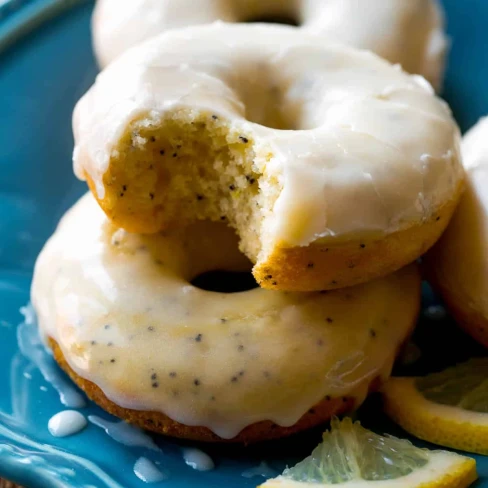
(45, 65)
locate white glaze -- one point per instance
(197, 459)
(376, 153)
(261, 354)
(262, 470)
(66, 423)
(31, 346)
(148, 472)
(408, 32)
(126, 434)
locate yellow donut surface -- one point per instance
(458, 264)
(334, 166)
(124, 315)
(408, 32)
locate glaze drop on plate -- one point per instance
(198, 459)
(148, 472)
(126, 434)
(66, 423)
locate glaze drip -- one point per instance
(123, 311)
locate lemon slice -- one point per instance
(353, 457)
(449, 408)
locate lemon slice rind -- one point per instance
(444, 470)
(445, 425)
(351, 456)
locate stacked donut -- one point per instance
(458, 264)
(210, 146)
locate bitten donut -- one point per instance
(408, 32)
(457, 265)
(126, 323)
(333, 166)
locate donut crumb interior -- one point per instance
(190, 167)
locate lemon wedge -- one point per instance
(449, 408)
(351, 456)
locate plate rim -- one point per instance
(19, 18)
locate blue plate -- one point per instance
(46, 63)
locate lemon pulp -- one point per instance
(350, 452)
(464, 386)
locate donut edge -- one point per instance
(160, 423)
(332, 266)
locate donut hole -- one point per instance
(269, 12)
(274, 19)
(222, 281)
(265, 94)
(190, 167)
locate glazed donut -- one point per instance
(125, 321)
(334, 167)
(408, 32)
(457, 265)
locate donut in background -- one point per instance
(333, 166)
(407, 32)
(457, 265)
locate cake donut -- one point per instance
(457, 265)
(333, 166)
(408, 32)
(124, 320)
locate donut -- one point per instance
(334, 167)
(125, 322)
(407, 32)
(457, 266)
